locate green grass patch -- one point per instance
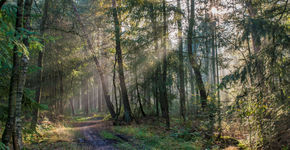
(151, 137)
(108, 135)
(86, 118)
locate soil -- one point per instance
(90, 131)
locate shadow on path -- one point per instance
(90, 134)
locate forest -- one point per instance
(144, 74)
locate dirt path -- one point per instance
(90, 131)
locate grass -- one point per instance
(150, 137)
(108, 135)
(152, 134)
(49, 136)
(86, 118)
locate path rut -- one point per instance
(90, 131)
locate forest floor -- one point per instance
(96, 133)
(76, 133)
(91, 130)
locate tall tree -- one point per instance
(17, 135)
(6, 137)
(13, 125)
(127, 109)
(181, 65)
(153, 18)
(193, 58)
(40, 64)
(164, 98)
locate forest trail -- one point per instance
(90, 131)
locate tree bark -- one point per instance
(115, 88)
(87, 99)
(193, 61)
(127, 109)
(17, 135)
(72, 107)
(6, 137)
(61, 92)
(99, 99)
(72, 100)
(181, 66)
(40, 65)
(164, 99)
(80, 100)
(138, 96)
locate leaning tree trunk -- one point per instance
(192, 58)
(127, 109)
(6, 137)
(181, 69)
(40, 65)
(98, 66)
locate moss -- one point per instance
(108, 135)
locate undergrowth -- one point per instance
(150, 137)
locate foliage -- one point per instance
(3, 147)
(150, 137)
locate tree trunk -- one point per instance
(93, 99)
(6, 137)
(181, 69)
(115, 88)
(87, 99)
(99, 99)
(17, 136)
(80, 100)
(72, 107)
(127, 109)
(61, 92)
(213, 63)
(40, 65)
(157, 71)
(138, 96)
(98, 66)
(192, 59)
(256, 44)
(164, 99)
